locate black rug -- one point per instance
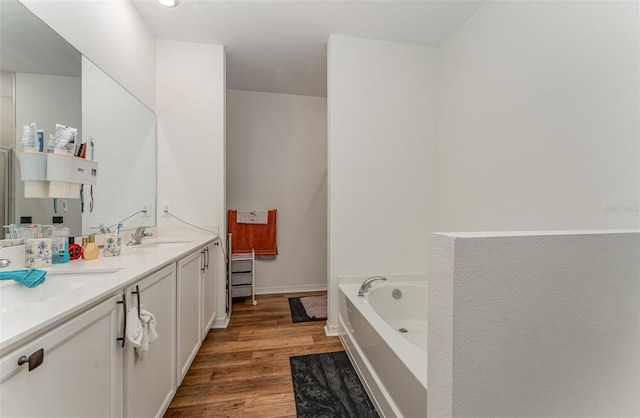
(326, 385)
(298, 314)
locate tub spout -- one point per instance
(367, 284)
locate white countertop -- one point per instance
(73, 287)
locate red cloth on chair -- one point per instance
(260, 237)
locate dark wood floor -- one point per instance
(243, 371)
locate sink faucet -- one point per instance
(136, 238)
(367, 284)
(4, 262)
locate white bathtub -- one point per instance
(391, 363)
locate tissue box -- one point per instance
(37, 253)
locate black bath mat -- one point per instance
(326, 385)
(298, 314)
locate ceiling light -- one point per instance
(168, 3)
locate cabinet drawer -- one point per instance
(241, 291)
(241, 266)
(241, 278)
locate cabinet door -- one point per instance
(151, 383)
(208, 288)
(189, 291)
(81, 374)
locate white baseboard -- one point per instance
(331, 330)
(220, 323)
(224, 322)
(291, 289)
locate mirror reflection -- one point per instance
(124, 134)
(46, 81)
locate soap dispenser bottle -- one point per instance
(60, 244)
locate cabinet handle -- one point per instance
(207, 262)
(137, 293)
(203, 259)
(34, 360)
(123, 302)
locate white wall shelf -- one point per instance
(242, 278)
(49, 175)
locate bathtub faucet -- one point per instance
(367, 284)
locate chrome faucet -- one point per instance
(367, 284)
(136, 238)
(4, 262)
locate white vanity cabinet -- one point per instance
(81, 370)
(208, 270)
(151, 384)
(189, 311)
(90, 369)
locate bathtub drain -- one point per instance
(403, 330)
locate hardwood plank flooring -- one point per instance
(243, 371)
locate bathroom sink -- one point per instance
(165, 244)
(90, 272)
(57, 283)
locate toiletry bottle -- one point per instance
(40, 133)
(60, 244)
(91, 251)
(27, 231)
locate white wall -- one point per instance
(38, 99)
(191, 139)
(109, 33)
(382, 159)
(538, 118)
(534, 325)
(277, 158)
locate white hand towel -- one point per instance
(134, 328)
(252, 217)
(149, 321)
(141, 331)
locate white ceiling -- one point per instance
(281, 46)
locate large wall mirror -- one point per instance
(46, 81)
